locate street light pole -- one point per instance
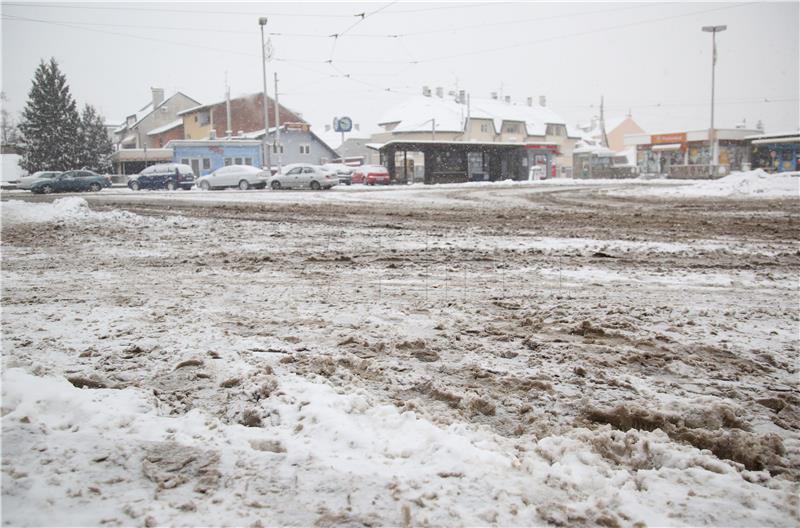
(712, 133)
(262, 21)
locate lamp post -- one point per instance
(712, 133)
(262, 21)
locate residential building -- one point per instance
(155, 114)
(247, 115)
(616, 130)
(456, 139)
(298, 144)
(688, 154)
(136, 148)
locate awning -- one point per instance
(669, 146)
(795, 139)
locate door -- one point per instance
(306, 176)
(196, 167)
(292, 178)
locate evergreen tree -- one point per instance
(95, 145)
(50, 122)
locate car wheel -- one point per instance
(134, 185)
(204, 185)
(276, 185)
(95, 187)
(315, 185)
(47, 189)
(171, 186)
(244, 185)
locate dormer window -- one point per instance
(556, 130)
(512, 128)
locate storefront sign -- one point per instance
(551, 148)
(660, 139)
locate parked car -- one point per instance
(304, 175)
(371, 175)
(343, 172)
(26, 181)
(168, 176)
(241, 176)
(72, 181)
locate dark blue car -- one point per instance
(169, 176)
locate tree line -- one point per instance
(52, 135)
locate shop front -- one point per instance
(690, 154)
(776, 152)
(459, 161)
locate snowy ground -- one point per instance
(465, 355)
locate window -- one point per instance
(296, 170)
(512, 128)
(184, 161)
(205, 118)
(556, 130)
(484, 127)
(305, 149)
(276, 148)
(248, 161)
(206, 163)
(238, 161)
(227, 161)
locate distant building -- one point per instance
(483, 139)
(354, 149)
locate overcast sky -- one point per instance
(651, 58)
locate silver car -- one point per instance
(304, 176)
(241, 176)
(26, 181)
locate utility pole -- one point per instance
(277, 125)
(603, 124)
(228, 129)
(262, 21)
(712, 133)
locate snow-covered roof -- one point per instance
(168, 126)
(416, 115)
(211, 143)
(597, 150)
(774, 135)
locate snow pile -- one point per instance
(750, 183)
(69, 208)
(110, 449)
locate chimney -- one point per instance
(327, 128)
(426, 91)
(508, 99)
(158, 96)
(439, 92)
(529, 100)
(494, 95)
(542, 100)
(462, 96)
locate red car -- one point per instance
(371, 175)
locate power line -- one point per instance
(181, 11)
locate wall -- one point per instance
(216, 155)
(291, 141)
(193, 127)
(159, 140)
